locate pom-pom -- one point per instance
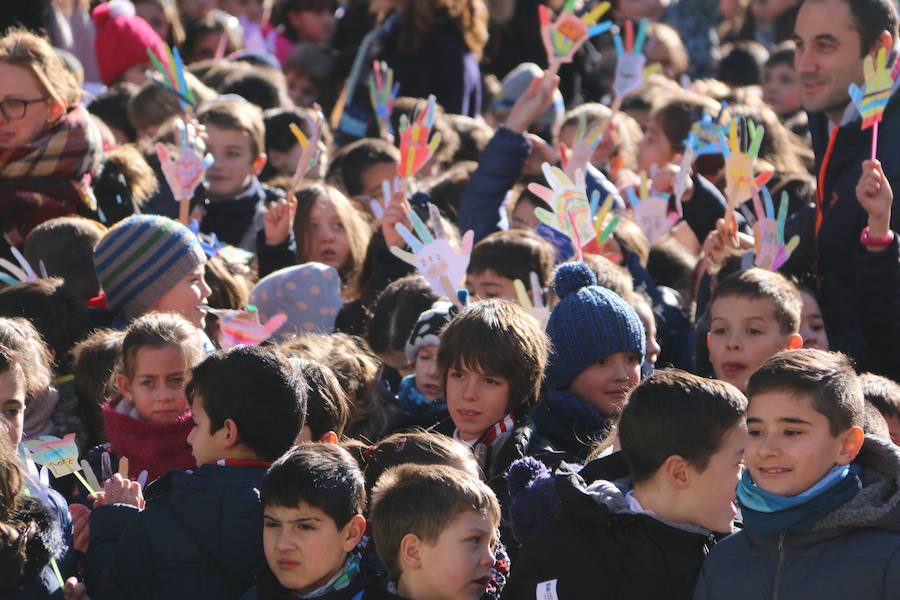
(571, 277)
(121, 8)
(523, 473)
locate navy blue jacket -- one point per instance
(878, 284)
(199, 537)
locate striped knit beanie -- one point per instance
(589, 323)
(142, 258)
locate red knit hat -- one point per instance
(122, 39)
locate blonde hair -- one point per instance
(25, 49)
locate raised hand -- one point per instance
(184, 172)
(278, 221)
(875, 195)
(630, 60)
(442, 265)
(768, 232)
(535, 305)
(571, 212)
(118, 489)
(415, 147)
(651, 211)
(310, 147)
(739, 180)
(563, 37)
(583, 146)
(383, 93)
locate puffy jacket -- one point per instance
(199, 537)
(852, 552)
(597, 546)
(878, 281)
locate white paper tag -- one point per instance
(546, 590)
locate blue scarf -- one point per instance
(771, 514)
(414, 404)
(569, 422)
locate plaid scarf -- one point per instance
(49, 176)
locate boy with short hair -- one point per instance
(200, 534)
(236, 200)
(820, 501)
(435, 529)
(327, 406)
(752, 315)
(505, 256)
(313, 501)
(643, 525)
(884, 395)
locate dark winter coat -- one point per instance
(852, 552)
(199, 537)
(596, 546)
(878, 279)
(238, 219)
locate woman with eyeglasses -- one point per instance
(49, 147)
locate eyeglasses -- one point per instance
(14, 108)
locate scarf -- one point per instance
(344, 578)
(152, 447)
(771, 514)
(414, 403)
(482, 446)
(49, 176)
(569, 422)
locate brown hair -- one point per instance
(627, 131)
(827, 378)
(882, 393)
(514, 254)
(611, 276)
(238, 115)
(28, 349)
(229, 289)
(668, 38)
(154, 104)
(677, 115)
(421, 17)
(25, 49)
(158, 330)
(94, 362)
(499, 338)
(424, 501)
(327, 407)
(66, 247)
(760, 284)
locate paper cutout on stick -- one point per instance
(707, 136)
(309, 147)
(630, 59)
(415, 147)
(242, 327)
(872, 98)
(583, 145)
(684, 169)
(739, 179)
(442, 265)
(21, 273)
(768, 231)
(534, 304)
(185, 171)
(571, 212)
(59, 455)
(563, 37)
(651, 211)
(383, 92)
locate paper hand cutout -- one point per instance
(442, 265)
(583, 146)
(184, 172)
(242, 327)
(60, 455)
(739, 179)
(19, 274)
(309, 154)
(873, 97)
(603, 232)
(569, 203)
(651, 211)
(415, 147)
(629, 59)
(387, 194)
(383, 92)
(707, 136)
(684, 169)
(173, 75)
(535, 304)
(768, 232)
(562, 38)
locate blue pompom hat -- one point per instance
(589, 323)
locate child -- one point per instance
(93, 366)
(812, 325)
(420, 396)
(752, 315)
(598, 344)
(30, 352)
(309, 295)
(643, 531)
(781, 85)
(313, 500)
(362, 166)
(327, 407)
(200, 534)
(309, 70)
(65, 246)
(282, 148)
(148, 420)
(300, 21)
(884, 395)
(121, 43)
(149, 263)
(504, 256)
(434, 527)
(816, 495)
(236, 202)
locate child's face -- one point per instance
(194, 9)
(186, 297)
(458, 565)
(646, 315)
(711, 491)
(782, 89)
(312, 26)
(370, 179)
(523, 216)
(812, 326)
(428, 379)
(743, 334)
(252, 9)
(654, 148)
(12, 402)
(302, 90)
(206, 46)
(893, 423)
(639, 9)
(304, 547)
(488, 284)
(327, 242)
(790, 446)
(157, 388)
(235, 163)
(605, 383)
(285, 163)
(206, 446)
(475, 400)
(153, 13)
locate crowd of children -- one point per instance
(430, 299)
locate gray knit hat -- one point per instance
(142, 258)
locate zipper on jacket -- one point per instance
(778, 566)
